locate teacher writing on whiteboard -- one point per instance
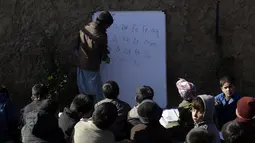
(92, 51)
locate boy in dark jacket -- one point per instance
(41, 125)
(39, 93)
(150, 131)
(142, 93)
(81, 107)
(202, 114)
(111, 93)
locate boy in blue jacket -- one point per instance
(226, 101)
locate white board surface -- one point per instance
(137, 44)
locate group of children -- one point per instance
(202, 117)
(227, 114)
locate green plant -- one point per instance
(54, 77)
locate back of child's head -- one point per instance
(149, 112)
(225, 79)
(49, 106)
(199, 135)
(111, 90)
(104, 115)
(39, 92)
(82, 104)
(233, 132)
(198, 104)
(144, 92)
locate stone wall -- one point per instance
(29, 27)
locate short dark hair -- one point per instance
(39, 91)
(82, 104)
(144, 92)
(199, 135)
(49, 106)
(225, 79)
(104, 115)
(111, 90)
(233, 132)
(198, 104)
(149, 112)
(105, 17)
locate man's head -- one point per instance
(149, 112)
(144, 92)
(111, 90)
(104, 115)
(227, 86)
(233, 132)
(105, 19)
(39, 92)
(246, 108)
(198, 110)
(83, 105)
(199, 135)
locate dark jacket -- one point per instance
(67, 121)
(9, 118)
(248, 124)
(119, 128)
(142, 133)
(185, 114)
(226, 110)
(41, 125)
(95, 47)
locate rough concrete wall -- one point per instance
(27, 27)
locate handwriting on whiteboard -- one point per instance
(125, 41)
(136, 29)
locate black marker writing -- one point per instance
(114, 39)
(135, 41)
(115, 26)
(155, 31)
(126, 39)
(124, 27)
(145, 29)
(117, 49)
(134, 28)
(137, 52)
(127, 51)
(150, 43)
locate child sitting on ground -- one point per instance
(202, 114)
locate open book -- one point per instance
(168, 116)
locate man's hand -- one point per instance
(217, 103)
(106, 59)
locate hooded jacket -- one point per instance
(41, 125)
(208, 123)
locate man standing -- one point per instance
(93, 50)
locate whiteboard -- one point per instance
(137, 44)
